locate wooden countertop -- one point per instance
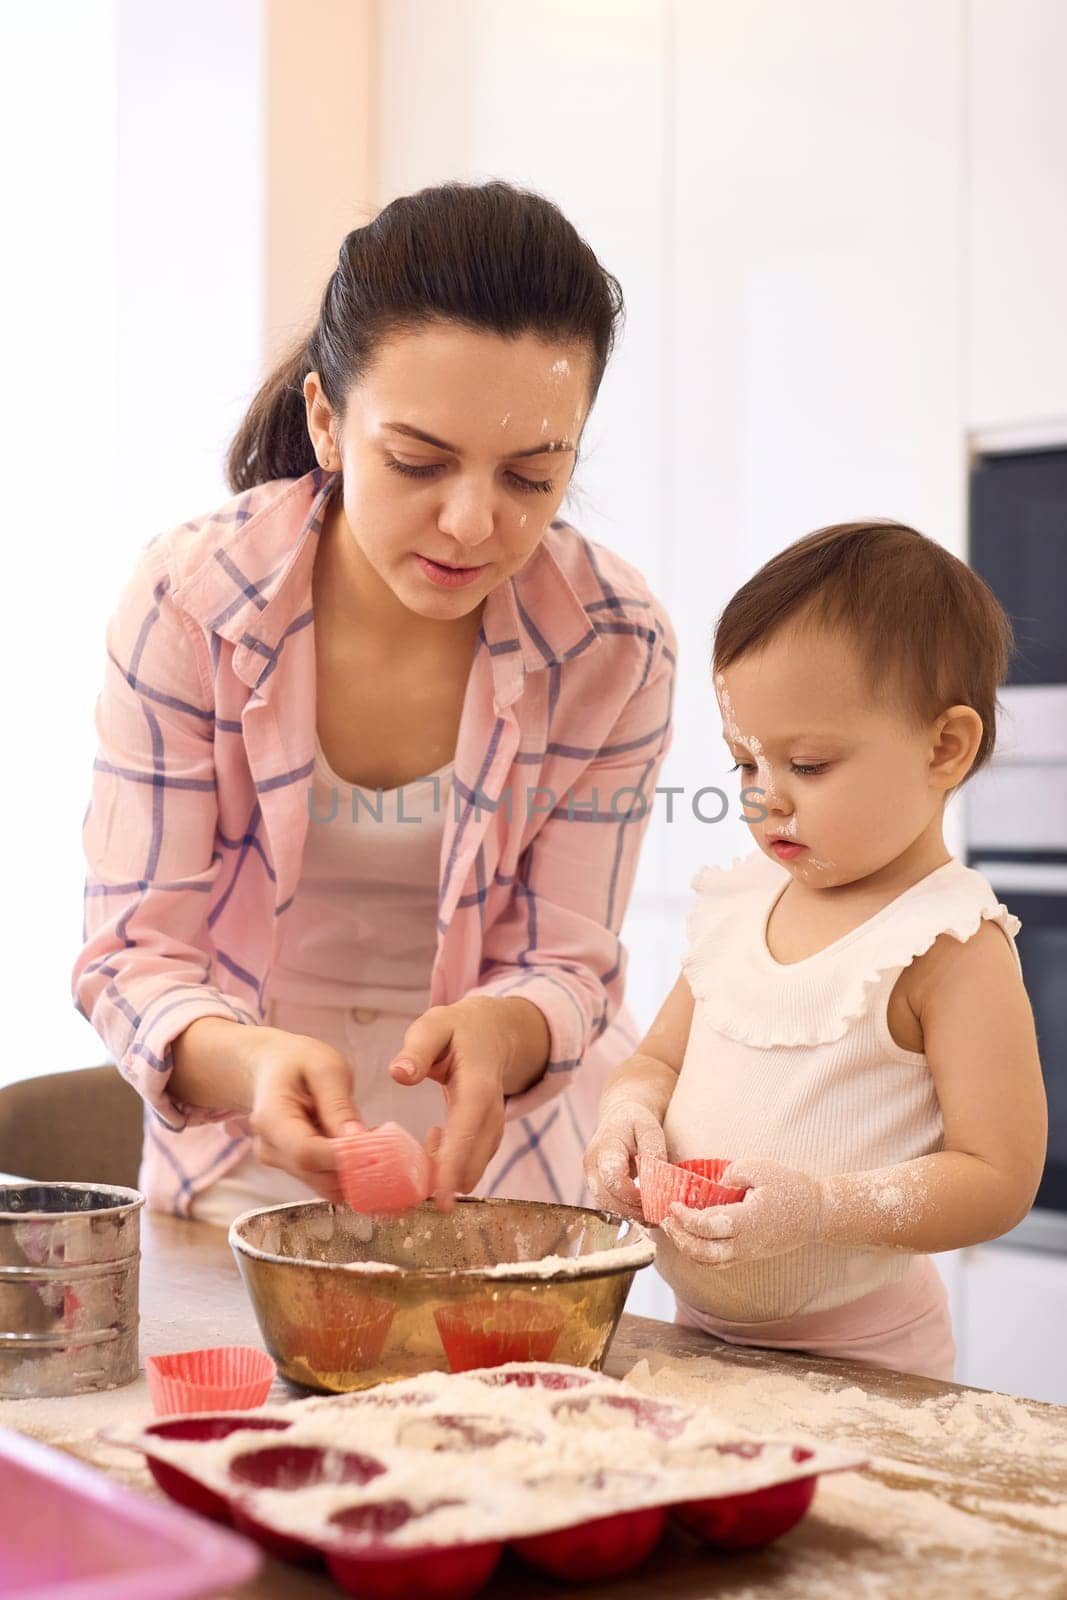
(966, 1496)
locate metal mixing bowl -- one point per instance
(346, 1300)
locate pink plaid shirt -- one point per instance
(199, 808)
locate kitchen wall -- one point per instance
(58, 279)
(132, 139)
(842, 238)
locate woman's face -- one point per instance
(456, 448)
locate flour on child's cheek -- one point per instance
(726, 707)
(763, 770)
(804, 865)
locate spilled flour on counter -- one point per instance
(964, 1520)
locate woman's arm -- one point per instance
(295, 1091)
(145, 975)
(979, 1039)
(145, 970)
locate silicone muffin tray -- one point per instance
(415, 1488)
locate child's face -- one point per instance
(851, 783)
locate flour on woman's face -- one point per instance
(457, 446)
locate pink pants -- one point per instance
(905, 1327)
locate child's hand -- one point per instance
(781, 1211)
(625, 1132)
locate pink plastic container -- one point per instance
(68, 1532)
(383, 1169)
(694, 1183)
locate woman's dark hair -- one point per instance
(488, 256)
(929, 631)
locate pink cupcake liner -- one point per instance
(694, 1183)
(226, 1378)
(383, 1169)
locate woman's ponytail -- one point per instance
(273, 440)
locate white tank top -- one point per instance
(795, 1063)
(362, 929)
(356, 954)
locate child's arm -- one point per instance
(979, 1039)
(634, 1102)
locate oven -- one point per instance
(1033, 885)
(1015, 810)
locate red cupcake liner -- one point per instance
(226, 1378)
(488, 1333)
(694, 1183)
(341, 1333)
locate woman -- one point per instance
(379, 740)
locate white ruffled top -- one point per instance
(795, 1062)
(751, 996)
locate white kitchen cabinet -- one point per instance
(1010, 1311)
(1015, 253)
(814, 329)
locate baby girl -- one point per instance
(850, 1024)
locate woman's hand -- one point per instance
(478, 1050)
(782, 1210)
(624, 1132)
(301, 1102)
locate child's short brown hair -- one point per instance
(930, 632)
